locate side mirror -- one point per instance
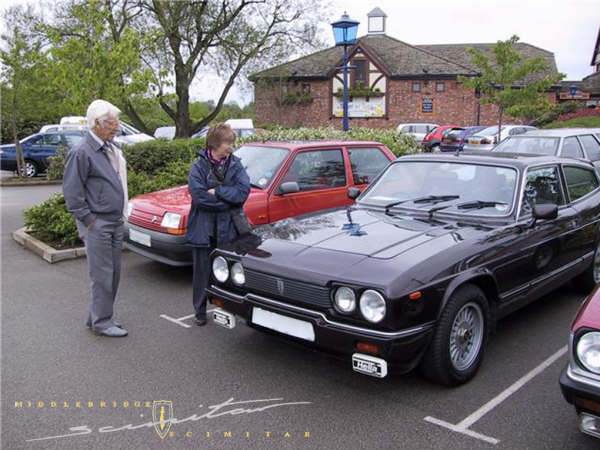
(290, 187)
(353, 192)
(546, 211)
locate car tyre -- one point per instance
(458, 344)
(586, 281)
(435, 148)
(31, 168)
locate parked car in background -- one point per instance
(420, 270)
(37, 148)
(416, 130)
(126, 135)
(487, 138)
(566, 142)
(431, 142)
(242, 128)
(130, 135)
(455, 138)
(287, 179)
(580, 379)
(167, 133)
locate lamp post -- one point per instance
(344, 33)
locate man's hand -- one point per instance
(211, 191)
(89, 227)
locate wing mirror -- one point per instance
(545, 211)
(353, 192)
(289, 188)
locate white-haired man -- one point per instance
(95, 190)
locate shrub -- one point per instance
(56, 164)
(398, 143)
(173, 174)
(150, 157)
(52, 223)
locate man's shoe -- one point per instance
(117, 324)
(112, 332)
(200, 321)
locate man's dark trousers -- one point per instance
(103, 244)
(202, 270)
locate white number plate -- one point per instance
(140, 238)
(283, 324)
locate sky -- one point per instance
(568, 28)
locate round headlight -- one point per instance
(237, 274)
(220, 269)
(372, 306)
(588, 351)
(345, 300)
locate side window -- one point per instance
(366, 163)
(591, 146)
(542, 186)
(571, 148)
(580, 181)
(72, 139)
(320, 169)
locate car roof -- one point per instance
(293, 145)
(521, 160)
(560, 132)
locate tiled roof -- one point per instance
(399, 59)
(590, 84)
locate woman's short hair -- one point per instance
(219, 133)
(99, 110)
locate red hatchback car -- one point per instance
(287, 179)
(431, 141)
(580, 379)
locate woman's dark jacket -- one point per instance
(214, 211)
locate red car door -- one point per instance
(323, 180)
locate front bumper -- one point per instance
(165, 248)
(576, 388)
(402, 350)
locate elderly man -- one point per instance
(95, 190)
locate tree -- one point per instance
(518, 87)
(228, 36)
(23, 65)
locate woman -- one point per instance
(218, 185)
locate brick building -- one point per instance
(392, 82)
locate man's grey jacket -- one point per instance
(91, 186)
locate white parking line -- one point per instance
(463, 426)
(180, 320)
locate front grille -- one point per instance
(296, 292)
(144, 220)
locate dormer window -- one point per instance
(376, 21)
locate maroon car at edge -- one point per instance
(580, 379)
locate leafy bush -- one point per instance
(52, 223)
(56, 164)
(151, 157)
(173, 174)
(400, 144)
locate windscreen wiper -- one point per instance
(428, 199)
(255, 186)
(479, 204)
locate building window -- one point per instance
(360, 73)
(416, 86)
(305, 88)
(439, 87)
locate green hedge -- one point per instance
(52, 223)
(160, 164)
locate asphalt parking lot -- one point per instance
(63, 387)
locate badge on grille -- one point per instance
(154, 219)
(280, 286)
